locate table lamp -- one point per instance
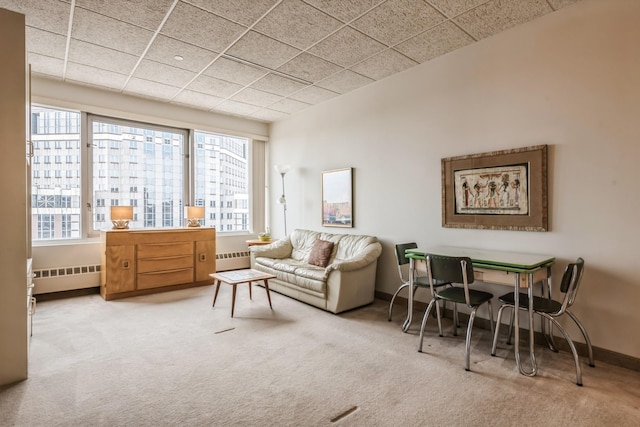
(120, 216)
(194, 214)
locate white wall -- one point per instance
(570, 79)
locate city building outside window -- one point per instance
(146, 166)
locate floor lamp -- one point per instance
(282, 170)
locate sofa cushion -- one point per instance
(320, 253)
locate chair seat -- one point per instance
(456, 294)
(542, 305)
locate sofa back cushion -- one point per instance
(302, 241)
(352, 245)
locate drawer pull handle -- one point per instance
(126, 264)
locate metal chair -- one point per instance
(418, 281)
(550, 310)
(455, 270)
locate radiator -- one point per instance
(232, 261)
(56, 279)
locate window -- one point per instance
(231, 160)
(156, 169)
(160, 187)
(57, 199)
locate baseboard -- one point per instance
(67, 294)
(599, 354)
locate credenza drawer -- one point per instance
(146, 265)
(165, 278)
(157, 250)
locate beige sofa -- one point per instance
(348, 281)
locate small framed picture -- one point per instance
(337, 198)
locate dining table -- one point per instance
(517, 269)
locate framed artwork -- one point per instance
(337, 198)
(500, 190)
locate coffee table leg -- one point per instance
(215, 296)
(266, 287)
(250, 297)
(233, 299)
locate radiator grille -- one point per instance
(44, 273)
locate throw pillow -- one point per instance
(320, 253)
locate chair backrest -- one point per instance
(402, 259)
(571, 282)
(450, 269)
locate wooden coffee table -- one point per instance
(236, 277)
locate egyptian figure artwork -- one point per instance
(493, 191)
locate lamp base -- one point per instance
(120, 224)
(193, 222)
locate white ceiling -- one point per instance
(263, 59)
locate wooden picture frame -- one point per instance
(499, 190)
(337, 198)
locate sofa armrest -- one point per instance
(368, 256)
(278, 249)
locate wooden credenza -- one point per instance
(138, 262)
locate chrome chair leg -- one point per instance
(585, 335)
(497, 329)
(424, 323)
(456, 323)
(393, 298)
(571, 346)
(467, 356)
(491, 318)
(510, 333)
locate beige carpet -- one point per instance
(171, 360)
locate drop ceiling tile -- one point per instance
(453, 8)
(499, 15)
(383, 64)
(559, 4)
(236, 107)
(256, 97)
(146, 14)
(193, 25)
(297, 24)
(83, 74)
(101, 57)
(108, 32)
(309, 67)
(288, 105)
(344, 81)
(347, 47)
(46, 65)
(233, 71)
(262, 50)
(313, 95)
(279, 85)
(397, 20)
(150, 89)
(164, 49)
(344, 10)
(162, 73)
(269, 115)
(444, 38)
(213, 86)
(244, 12)
(197, 99)
(48, 15)
(46, 43)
